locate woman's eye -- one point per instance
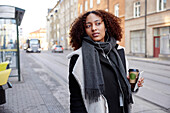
(98, 23)
(87, 26)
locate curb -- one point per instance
(154, 61)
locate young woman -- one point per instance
(97, 73)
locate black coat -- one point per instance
(111, 87)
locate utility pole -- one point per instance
(145, 28)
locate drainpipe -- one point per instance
(145, 28)
(108, 5)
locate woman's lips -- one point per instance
(95, 34)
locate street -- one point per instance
(52, 69)
(156, 90)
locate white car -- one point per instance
(57, 48)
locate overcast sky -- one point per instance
(35, 12)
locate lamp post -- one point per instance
(145, 28)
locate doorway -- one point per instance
(156, 46)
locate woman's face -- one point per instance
(95, 27)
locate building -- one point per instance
(116, 7)
(71, 14)
(53, 36)
(156, 42)
(59, 20)
(88, 5)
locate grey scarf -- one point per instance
(94, 83)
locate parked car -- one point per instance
(57, 48)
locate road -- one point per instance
(156, 88)
(153, 97)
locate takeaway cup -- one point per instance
(133, 77)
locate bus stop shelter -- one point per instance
(10, 20)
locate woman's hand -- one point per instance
(140, 82)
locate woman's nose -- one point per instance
(94, 28)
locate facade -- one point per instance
(59, 20)
(62, 23)
(73, 14)
(116, 7)
(53, 26)
(156, 41)
(88, 5)
(67, 12)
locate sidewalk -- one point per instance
(160, 61)
(31, 95)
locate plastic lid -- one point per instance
(136, 70)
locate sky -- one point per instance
(35, 12)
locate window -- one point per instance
(98, 1)
(137, 41)
(117, 10)
(86, 5)
(81, 8)
(75, 13)
(91, 3)
(136, 9)
(71, 2)
(161, 5)
(72, 15)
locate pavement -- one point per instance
(161, 61)
(31, 95)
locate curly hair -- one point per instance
(77, 29)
